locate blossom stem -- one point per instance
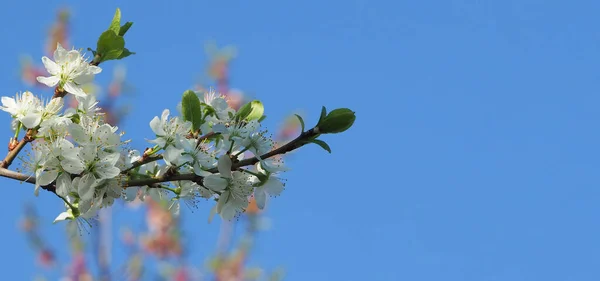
(170, 189)
(18, 130)
(240, 152)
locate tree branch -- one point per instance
(300, 141)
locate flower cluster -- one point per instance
(81, 158)
(210, 151)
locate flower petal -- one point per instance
(48, 81)
(224, 166)
(72, 88)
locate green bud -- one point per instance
(337, 121)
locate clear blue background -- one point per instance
(474, 155)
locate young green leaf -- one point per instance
(257, 110)
(110, 45)
(301, 121)
(337, 121)
(125, 53)
(124, 28)
(115, 24)
(322, 144)
(243, 112)
(323, 114)
(190, 107)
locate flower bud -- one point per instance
(12, 144)
(337, 121)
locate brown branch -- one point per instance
(300, 141)
(176, 177)
(142, 161)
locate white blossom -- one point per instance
(69, 70)
(26, 108)
(169, 131)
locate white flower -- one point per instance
(101, 165)
(55, 126)
(271, 187)
(235, 187)
(235, 131)
(198, 156)
(169, 131)
(91, 132)
(219, 104)
(26, 108)
(272, 165)
(87, 105)
(69, 70)
(188, 192)
(47, 161)
(268, 184)
(257, 143)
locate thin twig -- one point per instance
(142, 161)
(10, 157)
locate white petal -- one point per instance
(111, 158)
(31, 120)
(63, 184)
(223, 198)
(224, 166)
(72, 165)
(63, 216)
(156, 127)
(172, 155)
(174, 207)
(46, 177)
(107, 172)
(78, 133)
(51, 67)
(215, 182)
(74, 89)
(273, 186)
(261, 197)
(86, 187)
(48, 81)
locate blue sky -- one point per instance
(474, 155)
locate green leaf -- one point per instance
(190, 107)
(124, 28)
(262, 118)
(110, 45)
(116, 22)
(257, 110)
(251, 111)
(243, 111)
(337, 121)
(125, 53)
(323, 113)
(322, 144)
(301, 121)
